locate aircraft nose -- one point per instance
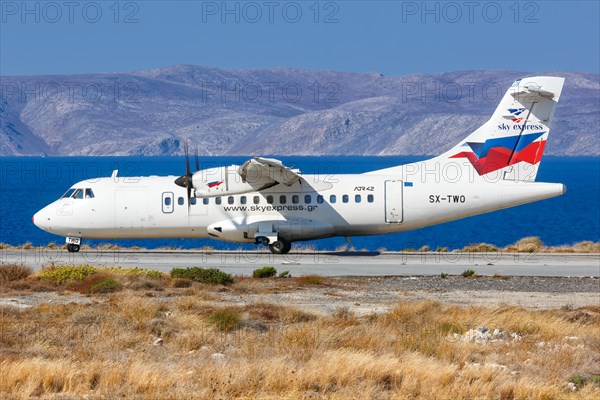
(41, 219)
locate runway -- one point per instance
(323, 263)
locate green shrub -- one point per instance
(444, 275)
(448, 328)
(151, 273)
(468, 273)
(225, 319)
(578, 380)
(284, 274)
(59, 275)
(264, 272)
(13, 272)
(211, 276)
(581, 380)
(107, 285)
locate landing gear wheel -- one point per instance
(72, 248)
(280, 246)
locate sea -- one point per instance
(29, 183)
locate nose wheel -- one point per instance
(73, 248)
(73, 244)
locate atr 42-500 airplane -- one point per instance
(264, 202)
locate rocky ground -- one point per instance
(364, 295)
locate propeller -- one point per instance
(186, 180)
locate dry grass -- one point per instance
(480, 248)
(14, 272)
(262, 350)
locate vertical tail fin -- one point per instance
(512, 141)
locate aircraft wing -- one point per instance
(261, 169)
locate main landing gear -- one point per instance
(280, 246)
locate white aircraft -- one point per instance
(264, 202)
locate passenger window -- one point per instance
(89, 194)
(357, 198)
(332, 198)
(256, 200)
(193, 201)
(243, 199)
(230, 199)
(282, 199)
(319, 199)
(68, 193)
(295, 199)
(345, 198)
(270, 199)
(370, 198)
(307, 198)
(205, 201)
(180, 201)
(78, 194)
(167, 201)
(217, 200)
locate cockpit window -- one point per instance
(89, 194)
(78, 194)
(68, 193)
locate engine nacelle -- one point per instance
(222, 181)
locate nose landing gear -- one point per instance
(73, 244)
(73, 248)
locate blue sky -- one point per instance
(394, 38)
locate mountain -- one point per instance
(280, 111)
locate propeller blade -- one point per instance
(189, 197)
(197, 160)
(187, 160)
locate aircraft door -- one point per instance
(393, 202)
(167, 202)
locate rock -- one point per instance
(217, 356)
(158, 342)
(483, 335)
(572, 387)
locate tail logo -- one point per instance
(495, 154)
(516, 112)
